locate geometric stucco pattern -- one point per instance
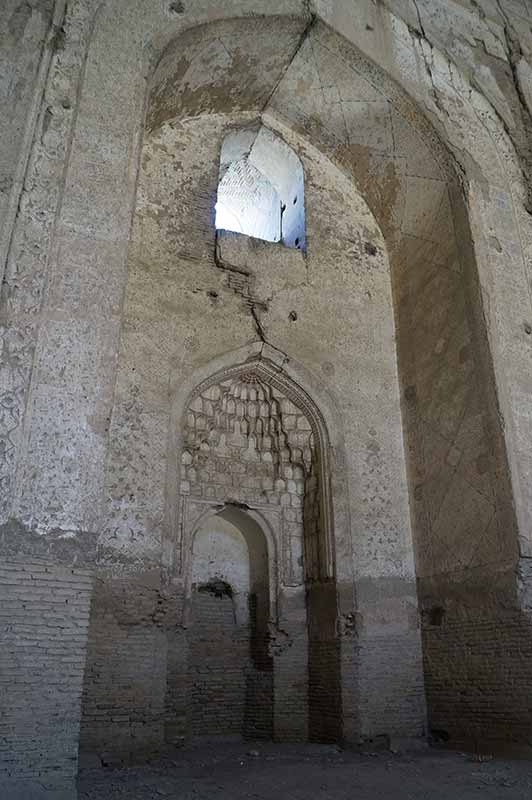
(246, 442)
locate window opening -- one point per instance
(260, 188)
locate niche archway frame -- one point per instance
(271, 374)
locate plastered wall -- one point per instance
(116, 304)
(222, 295)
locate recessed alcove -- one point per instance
(230, 669)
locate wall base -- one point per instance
(16, 789)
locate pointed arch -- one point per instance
(296, 450)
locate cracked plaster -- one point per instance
(422, 132)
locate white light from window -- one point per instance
(226, 219)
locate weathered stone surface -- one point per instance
(394, 350)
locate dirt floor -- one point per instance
(234, 771)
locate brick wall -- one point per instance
(325, 709)
(390, 686)
(44, 615)
(324, 668)
(126, 674)
(230, 682)
(151, 681)
(478, 672)
(178, 692)
(219, 661)
(258, 711)
(290, 667)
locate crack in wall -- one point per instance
(226, 266)
(258, 325)
(302, 39)
(421, 37)
(522, 135)
(421, 28)
(240, 281)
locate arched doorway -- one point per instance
(230, 667)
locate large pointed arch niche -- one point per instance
(376, 204)
(327, 316)
(460, 496)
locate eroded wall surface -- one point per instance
(428, 116)
(43, 625)
(26, 33)
(208, 297)
(230, 669)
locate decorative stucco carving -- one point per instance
(250, 438)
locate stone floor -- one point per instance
(234, 771)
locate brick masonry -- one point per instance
(477, 676)
(125, 677)
(44, 616)
(220, 663)
(116, 297)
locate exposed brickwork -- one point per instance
(118, 299)
(178, 692)
(390, 686)
(477, 668)
(148, 682)
(258, 714)
(324, 664)
(125, 679)
(325, 709)
(219, 662)
(44, 616)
